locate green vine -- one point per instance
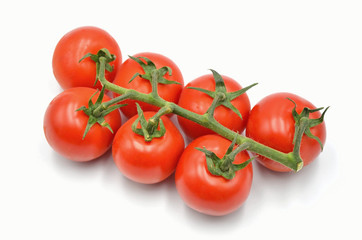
(291, 160)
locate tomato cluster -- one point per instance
(81, 109)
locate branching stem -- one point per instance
(287, 159)
(220, 96)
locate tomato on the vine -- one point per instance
(147, 162)
(64, 126)
(72, 47)
(169, 92)
(199, 102)
(207, 193)
(271, 123)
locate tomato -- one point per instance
(200, 102)
(169, 92)
(271, 123)
(67, 69)
(147, 162)
(207, 193)
(64, 126)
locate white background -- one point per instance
(311, 48)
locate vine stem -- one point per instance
(290, 160)
(153, 122)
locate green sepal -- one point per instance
(231, 147)
(146, 131)
(91, 121)
(221, 88)
(233, 95)
(219, 82)
(240, 166)
(303, 120)
(150, 67)
(111, 109)
(96, 112)
(208, 92)
(224, 166)
(213, 163)
(102, 60)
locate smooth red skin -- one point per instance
(207, 193)
(67, 69)
(64, 127)
(169, 92)
(147, 162)
(200, 102)
(271, 123)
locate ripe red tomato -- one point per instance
(169, 92)
(64, 126)
(147, 162)
(207, 193)
(200, 102)
(67, 69)
(271, 123)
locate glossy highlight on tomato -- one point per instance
(207, 193)
(67, 69)
(64, 126)
(147, 162)
(271, 123)
(169, 92)
(199, 102)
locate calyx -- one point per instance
(303, 123)
(150, 70)
(224, 166)
(97, 111)
(102, 60)
(148, 128)
(223, 97)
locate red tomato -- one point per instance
(169, 92)
(200, 102)
(147, 162)
(64, 126)
(207, 193)
(67, 69)
(271, 123)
